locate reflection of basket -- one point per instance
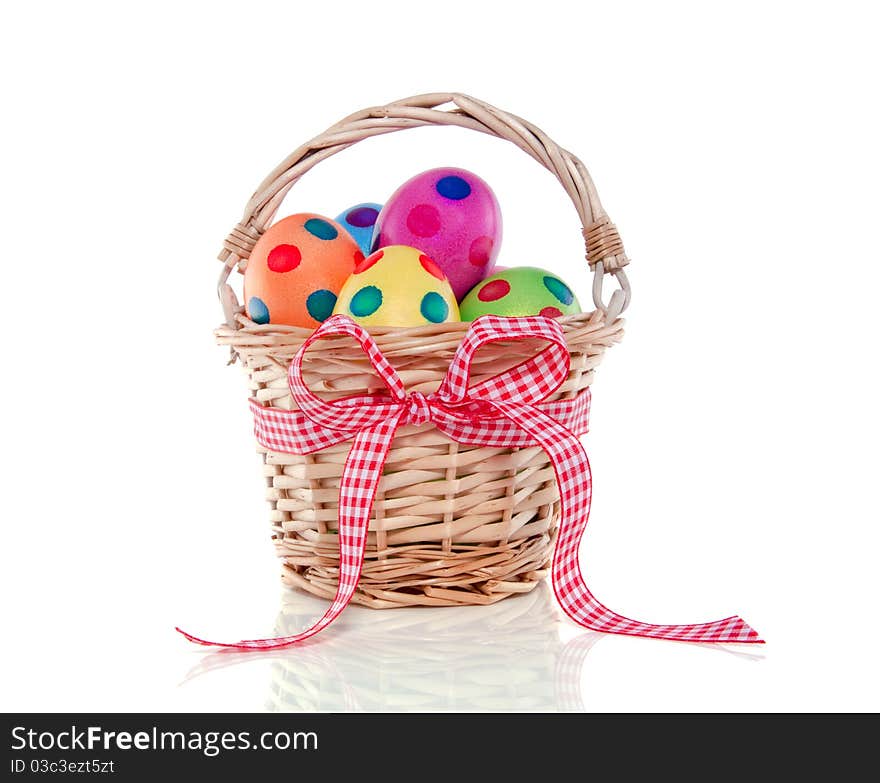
(452, 524)
(505, 657)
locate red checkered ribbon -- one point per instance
(507, 410)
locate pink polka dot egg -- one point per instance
(452, 216)
(520, 291)
(296, 269)
(397, 286)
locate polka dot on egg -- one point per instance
(493, 291)
(423, 220)
(431, 268)
(284, 258)
(320, 304)
(365, 263)
(481, 249)
(362, 217)
(321, 228)
(366, 301)
(358, 257)
(559, 289)
(434, 307)
(257, 310)
(551, 312)
(453, 187)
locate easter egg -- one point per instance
(296, 269)
(397, 286)
(519, 291)
(450, 215)
(359, 221)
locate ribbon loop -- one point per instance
(356, 411)
(531, 381)
(509, 410)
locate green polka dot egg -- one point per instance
(520, 291)
(397, 286)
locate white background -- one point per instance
(735, 430)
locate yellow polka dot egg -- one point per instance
(397, 286)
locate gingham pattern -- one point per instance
(572, 468)
(360, 479)
(506, 410)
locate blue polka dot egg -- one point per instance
(359, 221)
(397, 286)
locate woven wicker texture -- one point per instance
(451, 524)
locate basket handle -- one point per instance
(604, 249)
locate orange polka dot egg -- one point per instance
(297, 269)
(398, 286)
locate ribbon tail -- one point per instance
(360, 478)
(572, 468)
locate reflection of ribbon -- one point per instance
(508, 410)
(507, 656)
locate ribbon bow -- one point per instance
(507, 410)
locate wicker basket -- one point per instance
(451, 524)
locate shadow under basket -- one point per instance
(451, 524)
